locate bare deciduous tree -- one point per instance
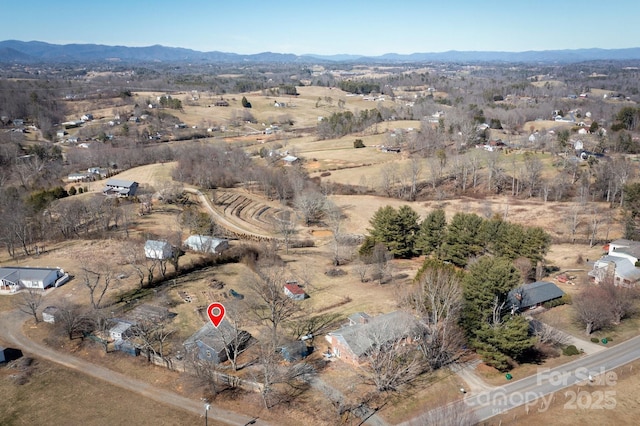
(591, 309)
(548, 334)
(362, 269)
(29, 300)
(73, 321)
(438, 300)
(310, 203)
(391, 363)
(335, 219)
(97, 278)
(285, 226)
(280, 382)
(235, 339)
(152, 337)
(272, 306)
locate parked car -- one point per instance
(235, 294)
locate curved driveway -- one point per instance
(11, 331)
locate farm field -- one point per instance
(46, 393)
(356, 181)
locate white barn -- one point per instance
(160, 250)
(206, 244)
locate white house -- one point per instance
(206, 244)
(619, 263)
(78, 177)
(160, 250)
(15, 277)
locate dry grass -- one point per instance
(56, 395)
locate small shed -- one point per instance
(49, 314)
(9, 354)
(160, 250)
(126, 347)
(295, 351)
(120, 331)
(295, 292)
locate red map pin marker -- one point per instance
(216, 313)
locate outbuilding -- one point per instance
(206, 244)
(295, 292)
(159, 250)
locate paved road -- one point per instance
(547, 382)
(11, 331)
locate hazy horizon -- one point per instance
(369, 28)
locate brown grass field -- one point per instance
(328, 295)
(55, 395)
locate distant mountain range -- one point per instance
(14, 51)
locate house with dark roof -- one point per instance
(211, 343)
(294, 291)
(353, 341)
(532, 295)
(120, 188)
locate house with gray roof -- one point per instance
(532, 295)
(353, 341)
(120, 188)
(619, 264)
(211, 343)
(620, 270)
(15, 278)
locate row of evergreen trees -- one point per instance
(467, 236)
(482, 254)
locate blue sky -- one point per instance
(329, 27)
